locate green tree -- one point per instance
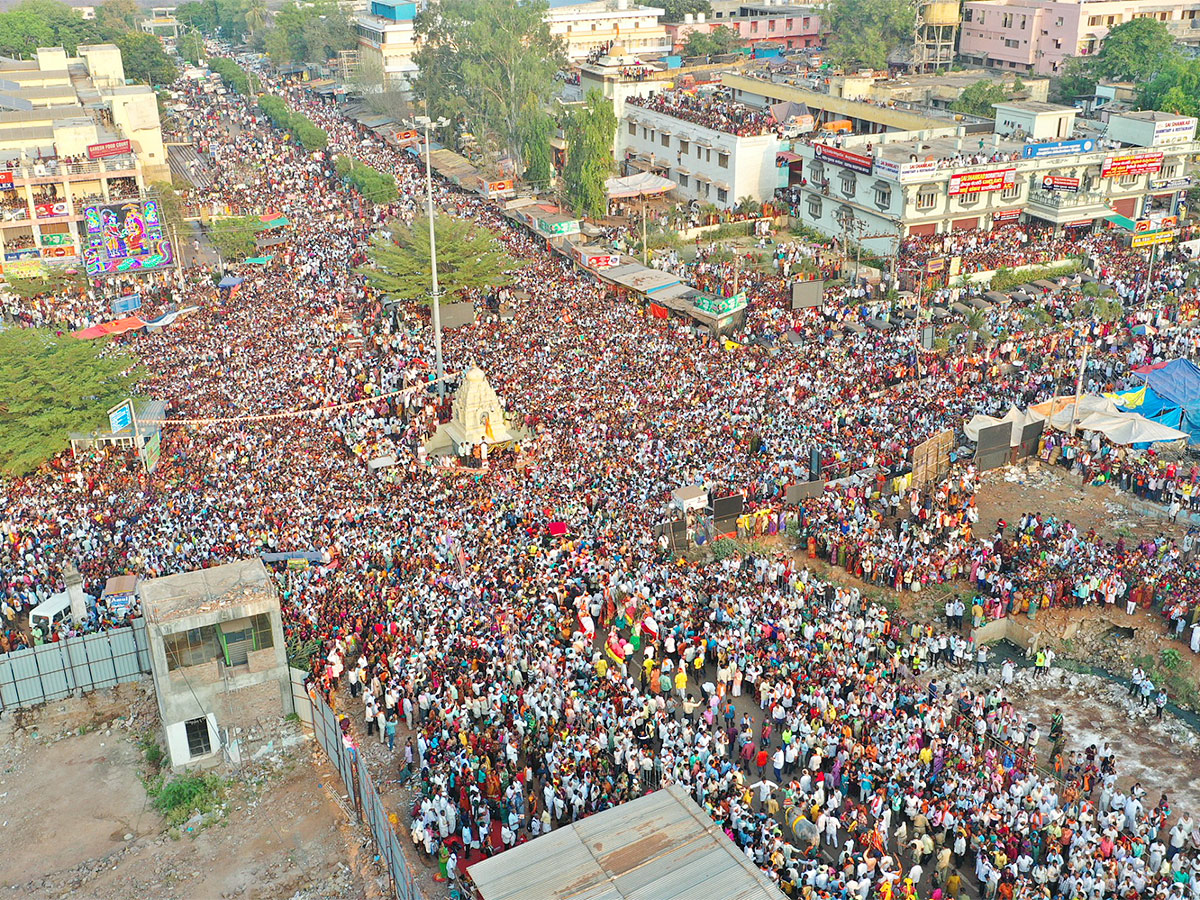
(1175, 89)
(974, 326)
(191, 46)
(536, 130)
(115, 17)
(170, 204)
(198, 14)
(52, 384)
(1136, 50)
(234, 237)
(144, 58)
(589, 131)
(469, 257)
(977, 99)
(1075, 81)
(490, 59)
(44, 23)
(721, 39)
(256, 15)
(675, 10)
(864, 32)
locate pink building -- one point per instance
(793, 27)
(1036, 36)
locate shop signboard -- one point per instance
(982, 182)
(1057, 148)
(855, 162)
(1143, 162)
(108, 148)
(1150, 238)
(1060, 183)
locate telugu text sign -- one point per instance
(1131, 164)
(982, 182)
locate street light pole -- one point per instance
(437, 310)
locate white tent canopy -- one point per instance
(644, 184)
(1096, 413)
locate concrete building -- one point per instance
(163, 25)
(792, 27)
(387, 41)
(217, 657)
(880, 188)
(934, 90)
(71, 131)
(588, 30)
(1039, 35)
(717, 150)
(1035, 119)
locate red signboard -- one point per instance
(854, 161)
(601, 260)
(50, 210)
(6, 179)
(1060, 183)
(498, 187)
(981, 182)
(111, 148)
(1140, 163)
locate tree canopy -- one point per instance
(1134, 51)
(864, 32)
(589, 130)
(52, 384)
(490, 67)
(978, 98)
(721, 39)
(234, 237)
(675, 10)
(469, 257)
(1175, 89)
(144, 58)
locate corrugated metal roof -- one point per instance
(659, 847)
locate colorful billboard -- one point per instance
(905, 172)
(982, 182)
(1057, 148)
(126, 237)
(1141, 163)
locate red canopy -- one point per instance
(558, 529)
(104, 329)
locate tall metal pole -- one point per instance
(437, 311)
(1150, 269)
(645, 251)
(1079, 387)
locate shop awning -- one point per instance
(1124, 222)
(646, 184)
(104, 329)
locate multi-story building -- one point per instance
(71, 131)
(1038, 35)
(387, 41)
(588, 30)
(716, 150)
(882, 187)
(792, 27)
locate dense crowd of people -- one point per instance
(527, 677)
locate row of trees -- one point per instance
(314, 32)
(49, 23)
(375, 186)
(300, 126)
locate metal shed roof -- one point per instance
(658, 847)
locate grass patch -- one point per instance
(181, 798)
(151, 749)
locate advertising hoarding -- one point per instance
(1057, 148)
(125, 238)
(108, 148)
(1142, 162)
(982, 182)
(855, 162)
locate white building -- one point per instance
(696, 144)
(875, 188)
(387, 41)
(588, 29)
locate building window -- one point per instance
(723, 160)
(816, 170)
(926, 199)
(968, 199)
(1093, 20)
(1011, 192)
(1058, 22)
(1128, 180)
(193, 647)
(199, 743)
(883, 196)
(682, 179)
(683, 146)
(1170, 171)
(849, 183)
(814, 206)
(722, 194)
(771, 25)
(1007, 20)
(666, 139)
(1011, 43)
(967, 14)
(633, 129)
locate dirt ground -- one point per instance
(76, 821)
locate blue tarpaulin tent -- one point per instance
(1173, 395)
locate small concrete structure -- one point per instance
(217, 656)
(476, 418)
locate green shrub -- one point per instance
(181, 797)
(375, 186)
(724, 548)
(301, 127)
(233, 74)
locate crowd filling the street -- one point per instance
(520, 633)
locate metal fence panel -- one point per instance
(57, 670)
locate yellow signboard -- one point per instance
(1151, 238)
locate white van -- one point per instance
(48, 614)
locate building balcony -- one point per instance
(53, 171)
(1061, 207)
